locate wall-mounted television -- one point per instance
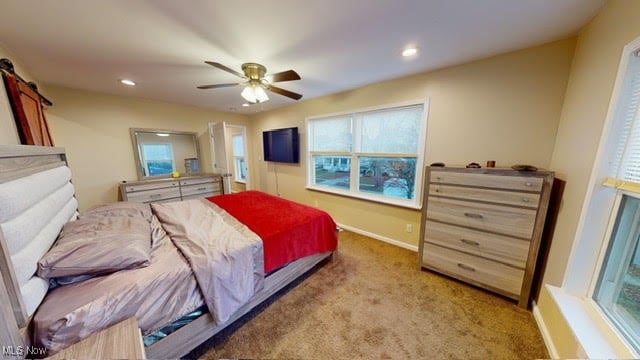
(281, 145)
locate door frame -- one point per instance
(247, 154)
(245, 143)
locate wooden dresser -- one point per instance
(484, 226)
(183, 188)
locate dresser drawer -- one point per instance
(203, 180)
(496, 247)
(151, 186)
(203, 188)
(473, 269)
(154, 195)
(524, 183)
(505, 220)
(497, 196)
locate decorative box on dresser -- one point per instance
(484, 226)
(182, 188)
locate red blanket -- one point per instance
(288, 230)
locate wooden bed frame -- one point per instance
(18, 161)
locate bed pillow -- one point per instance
(130, 209)
(98, 246)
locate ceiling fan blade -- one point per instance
(288, 75)
(222, 67)
(216, 86)
(284, 92)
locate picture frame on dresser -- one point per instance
(485, 226)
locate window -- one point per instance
(238, 158)
(376, 154)
(612, 218)
(618, 289)
(158, 159)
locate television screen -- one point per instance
(281, 145)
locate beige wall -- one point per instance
(591, 81)
(505, 108)
(8, 130)
(593, 73)
(94, 129)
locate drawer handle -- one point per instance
(473, 216)
(525, 200)
(470, 242)
(466, 267)
(528, 183)
(155, 195)
(202, 188)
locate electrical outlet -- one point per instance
(409, 228)
(315, 202)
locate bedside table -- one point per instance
(120, 341)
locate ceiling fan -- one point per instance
(256, 81)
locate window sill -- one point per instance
(590, 327)
(387, 201)
(240, 181)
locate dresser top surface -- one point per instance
(169, 179)
(491, 171)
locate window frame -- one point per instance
(353, 192)
(631, 342)
(237, 170)
(592, 237)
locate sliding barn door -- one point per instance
(28, 112)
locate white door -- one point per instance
(219, 154)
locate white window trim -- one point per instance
(236, 170)
(594, 331)
(236, 176)
(416, 203)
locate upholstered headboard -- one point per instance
(36, 200)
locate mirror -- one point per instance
(158, 152)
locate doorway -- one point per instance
(230, 155)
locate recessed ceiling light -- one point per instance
(245, 105)
(128, 82)
(409, 51)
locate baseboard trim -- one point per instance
(553, 352)
(380, 237)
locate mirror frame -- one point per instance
(136, 148)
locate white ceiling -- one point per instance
(334, 45)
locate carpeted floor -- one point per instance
(371, 302)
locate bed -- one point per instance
(267, 243)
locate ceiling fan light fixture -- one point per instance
(254, 94)
(254, 82)
(261, 95)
